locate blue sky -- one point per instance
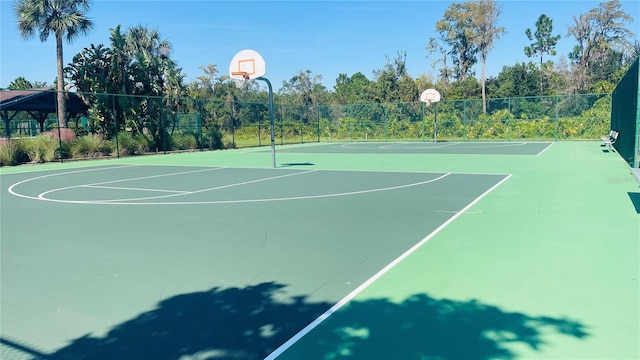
(326, 37)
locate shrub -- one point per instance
(91, 146)
(107, 148)
(212, 138)
(126, 143)
(31, 149)
(41, 148)
(141, 144)
(183, 141)
(9, 153)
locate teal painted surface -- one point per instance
(543, 266)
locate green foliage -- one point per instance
(183, 141)
(129, 144)
(12, 153)
(545, 43)
(41, 148)
(126, 143)
(91, 146)
(20, 83)
(212, 138)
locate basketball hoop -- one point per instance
(249, 65)
(239, 78)
(245, 75)
(246, 65)
(430, 96)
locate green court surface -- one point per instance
(344, 251)
(469, 148)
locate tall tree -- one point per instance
(303, 88)
(598, 32)
(484, 18)
(544, 42)
(518, 80)
(445, 73)
(20, 83)
(393, 82)
(352, 90)
(456, 29)
(65, 19)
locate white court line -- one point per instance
(209, 189)
(42, 195)
(460, 145)
(416, 146)
(282, 348)
(124, 201)
(132, 189)
(156, 176)
(11, 191)
(432, 146)
(305, 197)
(545, 149)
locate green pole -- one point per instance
(509, 120)
(435, 122)
(636, 152)
(464, 120)
(271, 122)
(424, 120)
(557, 118)
(350, 125)
(115, 116)
(318, 117)
(59, 134)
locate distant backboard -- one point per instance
(247, 64)
(430, 96)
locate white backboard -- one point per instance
(249, 62)
(430, 96)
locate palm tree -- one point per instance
(65, 19)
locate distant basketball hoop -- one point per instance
(249, 65)
(430, 96)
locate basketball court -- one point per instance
(328, 254)
(324, 251)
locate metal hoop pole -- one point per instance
(271, 121)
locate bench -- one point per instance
(605, 138)
(636, 173)
(609, 141)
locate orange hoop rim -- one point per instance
(244, 74)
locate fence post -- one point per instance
(557, 118)
(350, 125)
(509, 119)
(435, 122)
(115, 120)
(464, 120)
(59, 135)
(318, 118)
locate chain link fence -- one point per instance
(120, 125)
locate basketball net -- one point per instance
(240, 82)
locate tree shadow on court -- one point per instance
(251, 322)
(422, 327)
(635, 200)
